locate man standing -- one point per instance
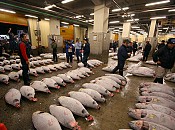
(86, 52)
(54, 47)
(162, 44)
(78, 49)
(69, 51)
(134, 48)
(24, 59)
(165, 58)
(122, 56)
(146, 51)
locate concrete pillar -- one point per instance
(90, 30)
(77, 33)
(152, 28)
(100, 39)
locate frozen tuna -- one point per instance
(33, 72)
(20, 73)
(156, 107)
(4, 78)
(73, 75)
(12, 61)
(142, 71)
(64, 116)
(59, 80)
(15, 66)
(39, 70)
(50, 83)
(153, 116)
(45, 121)
(94, 94)
(46, 69)
(13, 97)
(52, 67)
(66, 78)
(157, 100)
(87, 70)
(6, 62)
(40, 86)
(8, 67)
(170, 77)
(158, 94)
(85, 99)
(14, 76)
(18, 61)
(98, 88)
(2, 69)
(145, 125)
(75, 106)
(1, 63)
(28, 92)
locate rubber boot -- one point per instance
(155, 81)
(160, 80)
(121, 72)
(115, 69)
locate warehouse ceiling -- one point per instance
(83, 9)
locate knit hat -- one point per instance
(171, 41)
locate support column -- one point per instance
(152, 35)
(100, 39)
(126, 32)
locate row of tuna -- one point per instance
(13, 96)
(155, 108)
(88, 96)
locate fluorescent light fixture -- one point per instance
(160, 30)
(116, 10)
(92, 14)
(46, 19)
(49, 7)
(165, 28)
(132, 20)
(172, 10)
(163, 17)
(31, 16)
(76, 25)
(157, 3)
(91, 20)
(112, 22)
(79, 16)
(116, 30)
(8, 11)
(64, 23)
(135, 27)
(120, 28)
(66, 1)
(155, 10)
(139, 29)
(129, 15)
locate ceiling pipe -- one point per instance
(41, 11)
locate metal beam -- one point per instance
(97, 2)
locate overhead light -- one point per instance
(160, 30)
(76, 25)
(116, 30)
(157, 3)
(120, 28)
(135, 27)
(91, 20)
(112, 22)
(139, 29)
(79, 16)
(66, 1)
(8, 11)
(129, 15)
(47, 19)
(64, 23)
(31, 16)
(49, 7)
(116, 10)
(92, 14)
(155, 10)
(172, 10)
(131, 20)
(165, 28)
(163, 17)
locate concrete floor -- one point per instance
(111, 116)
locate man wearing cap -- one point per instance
(86, 52)
(122, 56)
(165, 58)
(162, 44)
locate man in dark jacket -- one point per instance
(122, 56)
(162, 44)
(86, 52)
(165, 58)
(134, 48)
(146, 51)
(24, 59)
(54, 47)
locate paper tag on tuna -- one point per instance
(151, 116)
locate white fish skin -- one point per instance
(28, 92)
(50, 83)
(98, 88)
(45, 121)
(8, 67)
(39, 70)
(85, 99)
(15, 66)
(13, 97)
(94, 94)
(6, 62)
(59, 80)
(14, 76)
(40, 86)
(33, 72)
(66, 78)
(2, 69)
(140, 125)
(75, 106)
(64, 116)
(4, 78)
(46, 69)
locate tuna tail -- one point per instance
(89, 118)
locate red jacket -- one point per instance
(23, 51)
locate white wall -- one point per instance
(54, 27)
(90, 30)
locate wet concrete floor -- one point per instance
(111, 116)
